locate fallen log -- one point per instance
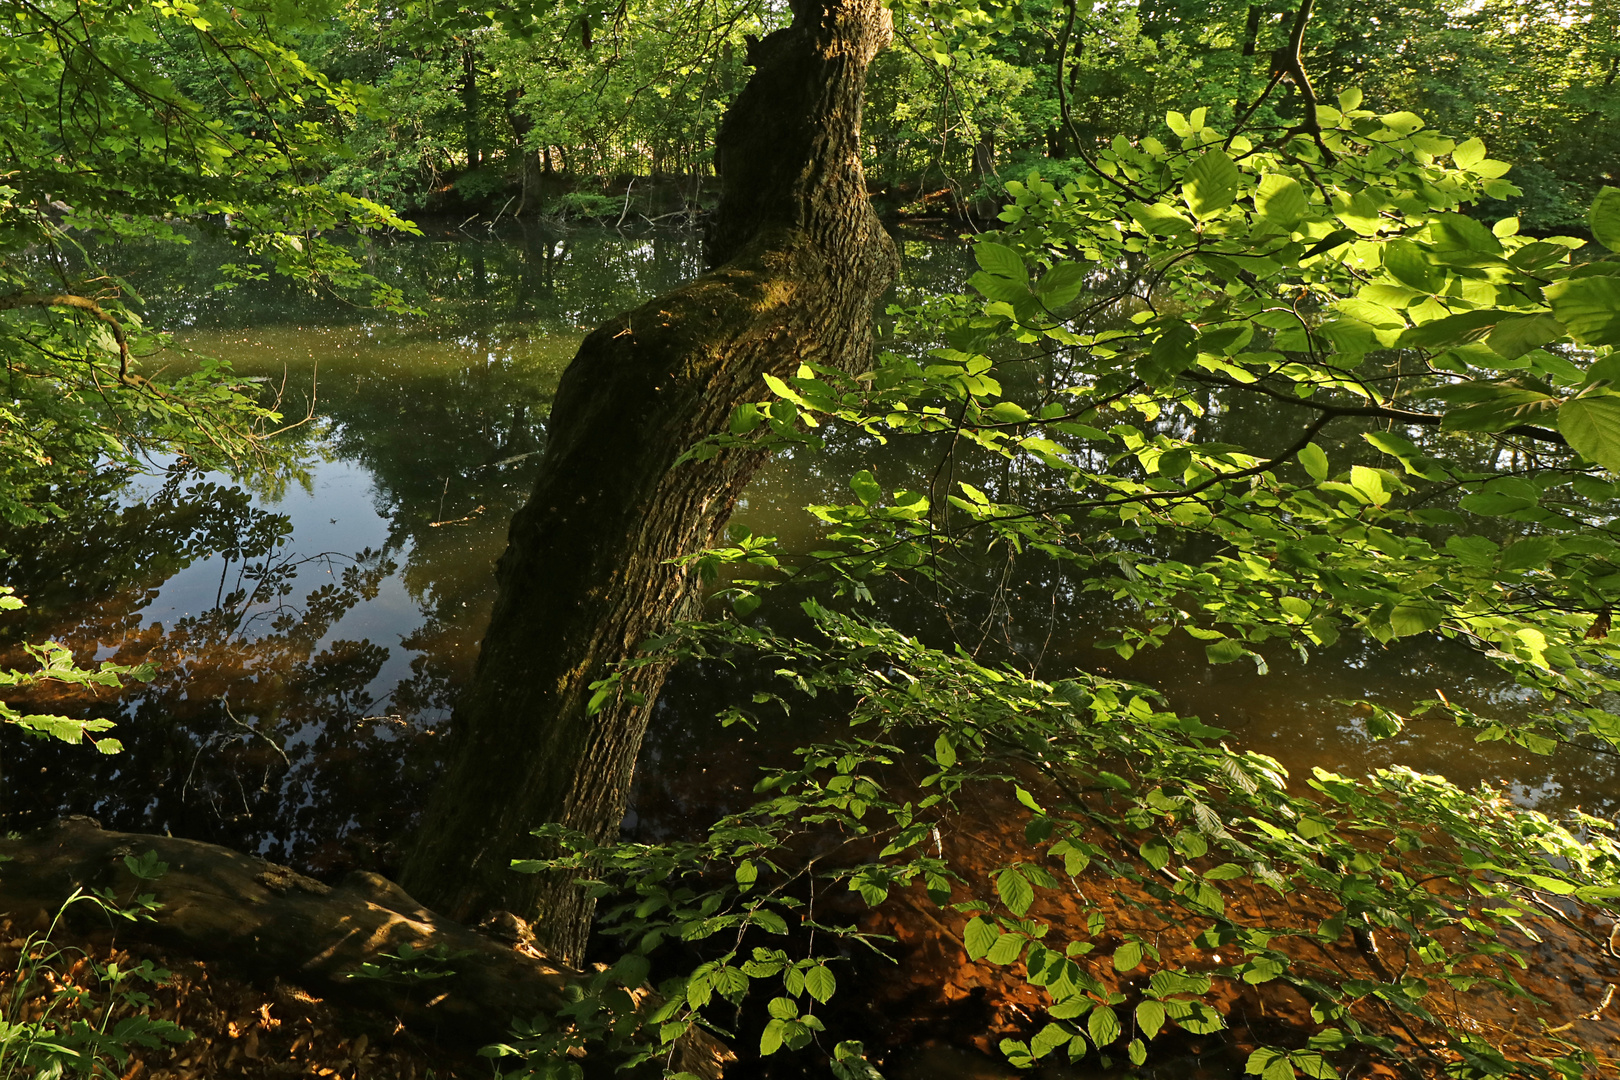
(269, 921)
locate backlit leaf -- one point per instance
(1591, 423)
(1103, 1026)
(1015, 890)
(1061, 284)
(1516, 335)
(978, 936)
(1416, 617)
(1128, 956)
(820, 983)
(1211, 185)
(1280, 200)
(1604, 218)
(1589, 308)
(1315, 462)
(1000, 260)
(1468, 154)
(865, 487)
(1150, 1018)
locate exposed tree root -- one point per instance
(268, 921)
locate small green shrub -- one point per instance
(77, 1031)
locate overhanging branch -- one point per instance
(78, 303)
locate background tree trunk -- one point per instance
(587, 575)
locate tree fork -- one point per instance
(587, 575)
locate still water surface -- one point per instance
(311, 636)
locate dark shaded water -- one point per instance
(311, 638)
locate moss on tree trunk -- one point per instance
(587, 576)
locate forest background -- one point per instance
(562, 106)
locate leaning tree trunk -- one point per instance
(587, 576)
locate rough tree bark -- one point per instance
(587, 575)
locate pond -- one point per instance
(311, 634)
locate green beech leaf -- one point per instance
(1459, 232)
(1516, 335)
(1061, 284)
(1591, 424)
(1150, 1018)
(865, 487)
(1157, 219)
(1007, 412)
(1531, 553)
(1128, 957)
(996, 287)
(1015, 890)
(1048, 1039)
(1337, 238)
(1211, 185)
(1000, 260)
(1494, 504)
(1589, 308)
(1604, 218)
(978, 937)
(1071, 1008)
(1359, 212)
(1451, 330)
(1173, 352)
(1006, 950)
(1405, 261)
(1416, 617)
(820, 983)
(1314, 462)
(1403, 123)
(1468, 154)
(1280, 200)
(1498, 407)
(1103, 1026)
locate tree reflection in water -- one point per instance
(310, 642)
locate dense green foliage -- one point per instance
(1537, 81)
(1443, 466)
(135, 123)
(130, 122)
(554, 107)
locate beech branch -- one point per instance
(1388, 412)
(78, 303)
(1286, 61)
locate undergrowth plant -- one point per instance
(68, 1014)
